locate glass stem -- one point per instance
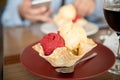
(118, 52)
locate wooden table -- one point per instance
(17, 38)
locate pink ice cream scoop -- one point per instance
(51, 41)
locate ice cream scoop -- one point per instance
(51, 41)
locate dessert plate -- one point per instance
(90, 28)
(35, 64)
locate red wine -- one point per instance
(112, 16)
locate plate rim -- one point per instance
(88, 33)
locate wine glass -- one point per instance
(112, 15)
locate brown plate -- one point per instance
(89, 69)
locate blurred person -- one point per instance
(21, 12)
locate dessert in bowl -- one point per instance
(66, 14)
(65, 47)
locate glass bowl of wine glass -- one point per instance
(111, 10)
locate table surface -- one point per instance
(17, 38)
